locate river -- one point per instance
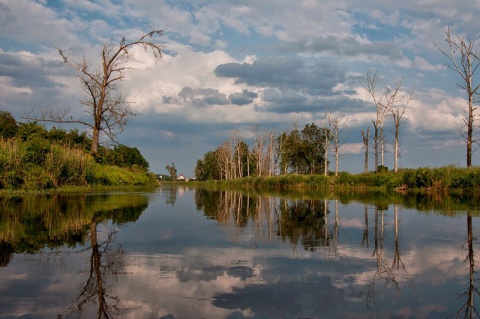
(186, 252)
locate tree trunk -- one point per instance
(366, 140)
(95, 141)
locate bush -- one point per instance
(36, 150)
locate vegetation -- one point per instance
(301, 152)
(442, 179)
(39, 159)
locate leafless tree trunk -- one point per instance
(366, 140)
(397, 112)
(224, 157)
(397, 115)
(237, 152)
(326, 146)
(271, 152)
(378, 137)
(464, 57)
(336, 127)
(108, 111)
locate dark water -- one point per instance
(180, 252)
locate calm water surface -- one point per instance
(180, 252)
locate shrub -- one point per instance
(36, 150)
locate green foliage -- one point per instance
(123, 156)
(8, 125)
(172, 171)
(37, 164)
(302, 152)
(208, 168)
(31, 223)
(443, 178)
(36, 150)
(382, 169)
(31, 130)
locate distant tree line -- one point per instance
(40, 138)
(309, 150)
(295, 151)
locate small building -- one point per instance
(182, 178)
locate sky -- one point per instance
(231, 65)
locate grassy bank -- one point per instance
(38, 166)
(448, 178)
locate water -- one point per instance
(180, 252)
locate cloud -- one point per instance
(242, 98)
(350, 47)
(280, 72)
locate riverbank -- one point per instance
(39, 165)
(441, 179)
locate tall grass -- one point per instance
(38, 165)
(447, 178)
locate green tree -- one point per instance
(172, 171)
(73, 137)
(288, 145)
(31, 130)
(302, 152)
(123, 155)
(208, 167)
(312, 149)
(8, 125)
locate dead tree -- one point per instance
(396, 107)
(464, 60)
(378, 135)
(366, 140)
(108, 111)
(398, 118)
(336, 127)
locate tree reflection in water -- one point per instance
(31, 224)
(468, 309)
(103, 262)
(387, 272)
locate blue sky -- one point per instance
(230, 65)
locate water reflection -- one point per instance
(60, 221)
(223, 254)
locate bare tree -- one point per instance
(107, 109)
(336, 127)
(366, 140)
(464, 57)
(239, 152)
(271, 154)
(395, 105)
(225, 158)
(378, 135)
(326, 146)
(259, 141)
